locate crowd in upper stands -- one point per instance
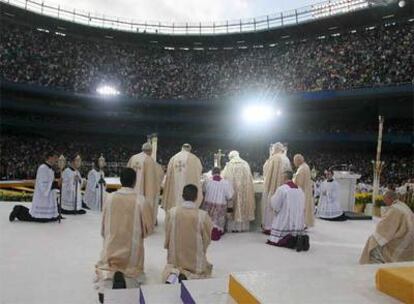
(374, 56)
(21, 155)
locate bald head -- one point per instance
(147, 148)
(390, 197)
(186, 147)
(298, 160)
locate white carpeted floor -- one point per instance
(54, 263)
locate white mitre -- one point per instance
(278, 147)
(234, 154)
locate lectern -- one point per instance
(347, 184)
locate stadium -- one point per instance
(332, 81)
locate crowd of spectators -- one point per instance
(367, 57)
(21, 155)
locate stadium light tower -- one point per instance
(259, 113)
(107, 90)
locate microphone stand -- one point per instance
(59, 205)
(61, 164)
(101, 184)
(76, 194)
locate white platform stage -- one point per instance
(54, 263)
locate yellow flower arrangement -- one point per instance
(15, 196)
(366, 198)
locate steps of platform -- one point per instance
(159, 294)
(354, 284)
(121, 296)
(206, 291)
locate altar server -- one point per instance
(218, 194)
(329, 207)
(96, 187)
(71, 187)
(288, 227)
(44, 204)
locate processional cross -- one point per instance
(217, 158)
(378, 164)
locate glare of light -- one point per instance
(259, 113)
(401, 4)
(107, 90)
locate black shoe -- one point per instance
(291, 243)
(72, 212)
(12, 215)
(181, 277)
(84, 206)
(101, 297)
(306, 245)
(119, 281)
(299, 243)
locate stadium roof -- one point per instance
(325, 22)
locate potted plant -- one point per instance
(361, 200)
(379, 206)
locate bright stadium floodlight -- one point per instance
(107, 90)
(259, 113)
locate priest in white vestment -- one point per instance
(273, 178)
(126, 221)
(329, 207)
(218, 194)
(147, 182)
(183, 168)
(288, 206)
(187, 236)
(303, 179)
(393, 239)
(95, 188)
(71, 188)
(238, 172)
(44, 203)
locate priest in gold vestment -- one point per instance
(183, 168)
(273, 172)
(393, 239)
(187, 236)
(126, 221)
(303, 179)
(147, 180)
(238, 172)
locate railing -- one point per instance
(291, 17)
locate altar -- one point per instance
(113, 183)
